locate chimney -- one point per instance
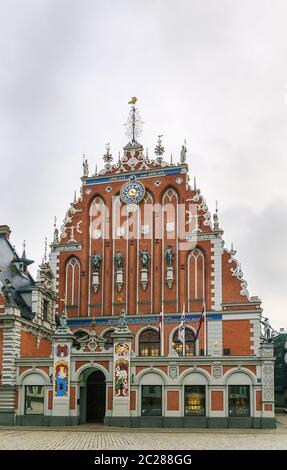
(5, 231)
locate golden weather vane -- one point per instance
(134, 122)
(133, 100)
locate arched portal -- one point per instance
(92, 395)
(96, 397)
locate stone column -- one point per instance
(268, 412)
(62, 341)
(122, 337)
(11, 348)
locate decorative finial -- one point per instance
(159, 150)
(183, 153)
(56, 231)
(134, 122)
(96, 170)
(146, 153)
(119, 160)
(108, 158)
(171, 162)
(215, 216)
(75, 197)
(194, 183)
(85, 167)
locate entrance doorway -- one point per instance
(96, 397)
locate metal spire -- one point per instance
(45, 250)
(134, 122)
(75, 197)
(24, 250)
(194, 183)
(171, 162)
(215, 216)
(108, 158)
(159, 149)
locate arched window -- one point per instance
(189, 343)
(73, 278)
(196, 288)
(149, 343)
(109, 340)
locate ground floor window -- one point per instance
(239, 400)
(151, 400)
(194, 400)
(34, 400)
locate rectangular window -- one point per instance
(239, 400)
(151, 400)
(34, 400)
(194, 400)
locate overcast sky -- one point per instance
(213, 72)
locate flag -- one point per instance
(181, 330)
(161, 333)
(201, 320)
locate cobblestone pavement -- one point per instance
(100, 438)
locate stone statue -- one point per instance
(183, 154)
(268, 330)
(169, 255)
(97, 259)
(7, 290)
(145, 258)
(119, 260)
(123, 321)
(85, 167)
(63, 321)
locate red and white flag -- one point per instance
(201, 320)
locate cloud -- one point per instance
(211, 72)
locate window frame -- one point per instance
(238, 415)
(198, 386)
(161, 400)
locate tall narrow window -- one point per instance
(73, 284)
(151, 400)
(239, 400)
(196, 285)
(46, 310)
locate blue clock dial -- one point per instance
(132, 192)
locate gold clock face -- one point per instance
(132, 192)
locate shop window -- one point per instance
(151, 400)
(239, 400)
(149, 343)
(189, 343)
(194, 400)
(34, 400)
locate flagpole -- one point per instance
(162, 333)
(183, 344)
(205, 329)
